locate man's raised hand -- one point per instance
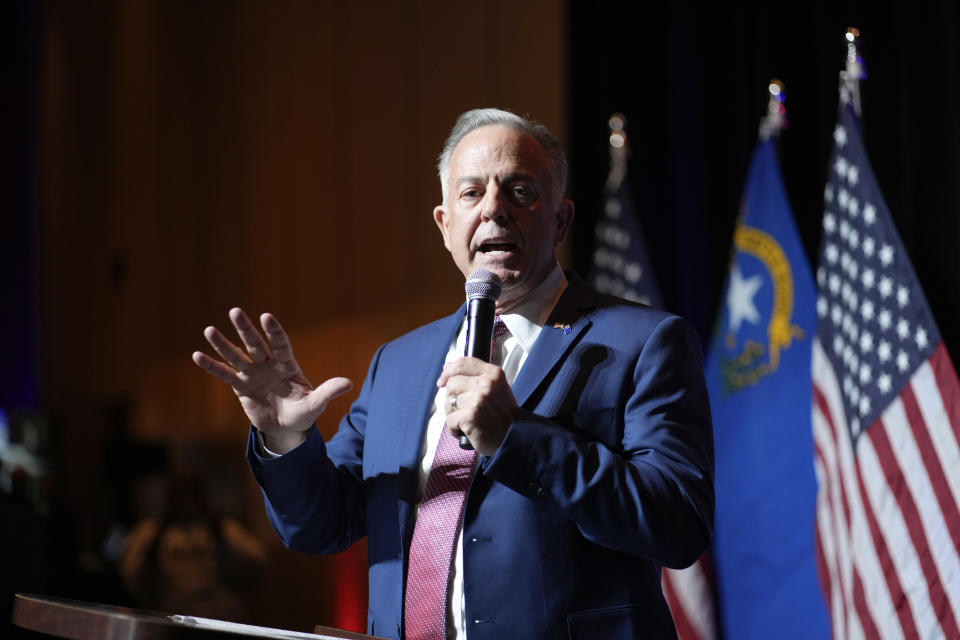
(276, 396)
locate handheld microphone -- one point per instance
(483, 288)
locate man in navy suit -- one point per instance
(591, 424)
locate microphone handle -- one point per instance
(480, 314)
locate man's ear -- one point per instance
(443, 220)
(564, 219)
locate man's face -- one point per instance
(499, 211)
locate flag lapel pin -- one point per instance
(562, 325)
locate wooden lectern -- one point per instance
(63, 618)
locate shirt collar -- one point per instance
(527, 318)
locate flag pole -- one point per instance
(618, 151)
(775, 119)
(854, 72)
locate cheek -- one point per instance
(460, 235)
(543, 235)
(452, 232)
(462, 230)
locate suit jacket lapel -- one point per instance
(429, 357)
(563, 329)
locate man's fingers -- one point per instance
(227, 350)
(216, 368)
(465, 367)
(252, 340)
(279, 342)
(459, 385)
(459, 414)
(326, 392)
(459, 402)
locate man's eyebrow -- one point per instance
(510, 177)
(469, 180)
(513, 176)
(517, 176)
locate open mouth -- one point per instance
(492, 247)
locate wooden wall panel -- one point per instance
(278, 156)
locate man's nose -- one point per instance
(494, 206)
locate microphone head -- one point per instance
(483, 284)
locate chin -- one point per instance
(508, 277)
(506, 271)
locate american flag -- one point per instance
(886, 420)
(621, 264)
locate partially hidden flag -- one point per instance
(689, 594)
(757, 367)
(621, 266)
(620, 262)
(886, 420)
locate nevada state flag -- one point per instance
(757, 370)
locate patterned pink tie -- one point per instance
(435, 533)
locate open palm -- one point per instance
(276, 396)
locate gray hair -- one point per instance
(477, 118)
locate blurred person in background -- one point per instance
(191, 560)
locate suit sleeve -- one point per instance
(652, 494)
(314, 494)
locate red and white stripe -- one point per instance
(888, 523)
(690, 597)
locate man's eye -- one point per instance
(470, 194)
(522, 194)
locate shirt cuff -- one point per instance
(262, 447)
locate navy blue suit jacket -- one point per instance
(606, 476)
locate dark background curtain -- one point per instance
(692, 79)
(19, 365)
